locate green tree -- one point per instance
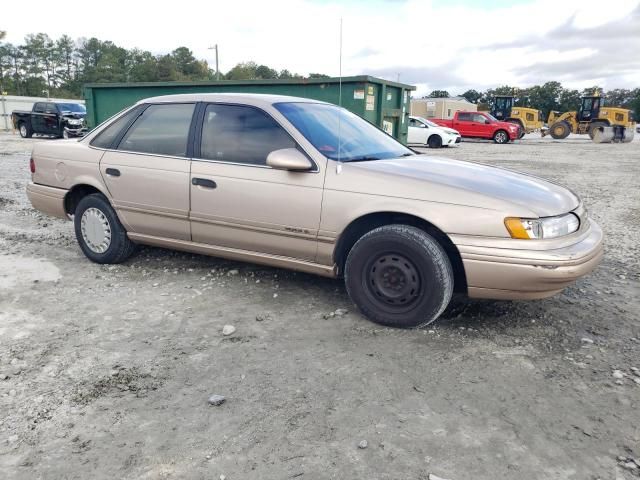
(472, 96)
(439, 94)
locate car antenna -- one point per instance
(339, 165)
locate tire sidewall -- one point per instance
(434, 141)
(436, 281)
(501, 134)
(24, 131)
(118, 233)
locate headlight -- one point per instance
(549, 227)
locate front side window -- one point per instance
(161, 129)
(479, 118)
(51, 108)
(241, 134)
(107, 136)
(339, 134)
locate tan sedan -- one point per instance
(302, 184)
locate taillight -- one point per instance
(32, 165)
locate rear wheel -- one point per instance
(25, 131)
(501, 137)
(399, 276)
(435, 141)
(100, 234)
(594, 127)
(560, 130)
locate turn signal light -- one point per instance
(32, 165)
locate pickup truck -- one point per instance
(58, 119)
(481, 125)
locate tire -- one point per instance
(434, 141)
(113, 246)
(595, 126)
(399, 276)
(25, 131)
(501, 137)
(560, 130)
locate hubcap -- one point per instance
(394, 280)
(96, 231)
(501, 137)
(23, 130)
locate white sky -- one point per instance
(452, 45)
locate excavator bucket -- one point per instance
(603, 135)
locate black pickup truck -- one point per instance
(59, 119)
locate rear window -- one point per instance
(161, 130)
(107, 136)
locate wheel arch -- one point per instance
(365, 223)
(434, 135)
(78, 192)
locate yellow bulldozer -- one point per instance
(602, 124)
(528, 119)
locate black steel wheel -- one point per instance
(399, 276)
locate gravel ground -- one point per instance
(106, 371)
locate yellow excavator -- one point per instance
(602, 124)
(528, 119)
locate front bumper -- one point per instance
(49, 200)
(450, 140)
(500, 272)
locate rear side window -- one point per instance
(464, 117)
(39, 107)
(106, 137)
(161, 130)
(240, 134)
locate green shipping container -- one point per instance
(383, 103)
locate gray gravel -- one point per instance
(105, 367)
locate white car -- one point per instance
(425, 132)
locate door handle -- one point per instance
(203, 182)
(113, 172)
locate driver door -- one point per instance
(239, 202)
(418, 132)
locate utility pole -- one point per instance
(215, 47)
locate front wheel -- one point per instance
(435, 141)
(501, 137)
(399, 276)
(100, 234)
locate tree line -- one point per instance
(550, 96)
(59, 67)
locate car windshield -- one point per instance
(72, 107)
(327, 127)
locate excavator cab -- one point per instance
(589, 109)
(502, 106)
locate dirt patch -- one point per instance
(105, 371)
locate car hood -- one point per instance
(450, 130)
(467, 183)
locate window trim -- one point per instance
(188, 154)
(197, 140)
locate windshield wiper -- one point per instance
(364, 158)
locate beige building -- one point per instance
(442, 108)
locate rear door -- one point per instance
(465, 124)
(237, 201)
(147, 173)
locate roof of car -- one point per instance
(249, 98)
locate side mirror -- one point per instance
(422, 125)
(289, 159)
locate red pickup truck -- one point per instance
(481, 125)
